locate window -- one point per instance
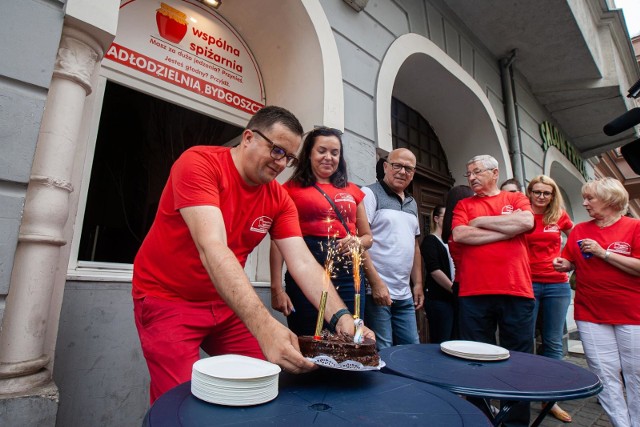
(410, 130)
(139, 138)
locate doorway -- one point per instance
(139, 138)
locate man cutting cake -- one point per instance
(189, 286)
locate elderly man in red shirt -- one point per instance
(494, 275)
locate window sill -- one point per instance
(101, 272)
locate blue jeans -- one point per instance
(554, 299)
(393, 325)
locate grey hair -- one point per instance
(610, 191)
(488, 161)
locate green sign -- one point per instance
(552, 137)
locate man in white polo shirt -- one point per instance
(395, 254)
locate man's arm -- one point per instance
(279, 299)
(278, 343)
(513, 224)
(310, 277)
(470, 235)
(416, 277)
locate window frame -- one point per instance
(100, 271)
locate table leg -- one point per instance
(543, 413)
(505, 407)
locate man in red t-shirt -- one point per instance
(189, 285)
(494, 275)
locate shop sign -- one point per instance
(190, 48)
(552, 137)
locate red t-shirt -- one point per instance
(455, 250)
(544, 245)
(499, 268)
(317, 216)
(604, 293)
(168, 265)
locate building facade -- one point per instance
(100, 97)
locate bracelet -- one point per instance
(606, 254)
(334, 319)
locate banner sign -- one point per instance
(552, 137)
(189, 46)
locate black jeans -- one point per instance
(512, 317)
(303, 320)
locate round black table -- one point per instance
(522, 377)
(325, 397)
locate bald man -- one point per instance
(393, 215)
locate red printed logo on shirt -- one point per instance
(261, 224)
(507, 209)
(551, 228)
(622, 248)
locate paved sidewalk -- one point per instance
(585, 412)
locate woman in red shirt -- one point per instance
(551, 288)
(322, 165)
(605, 254)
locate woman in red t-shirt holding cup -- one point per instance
(608, 296)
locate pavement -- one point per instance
(585, 412)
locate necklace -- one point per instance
(608, 223)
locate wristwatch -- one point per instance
(336, 317)
(606, 254)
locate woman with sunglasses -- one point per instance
(320, 176)
(550, 287)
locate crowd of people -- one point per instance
(494, 264)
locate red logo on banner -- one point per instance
(172, 24)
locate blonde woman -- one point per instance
(605, 254)
(550, 287)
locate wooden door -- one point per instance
(428, 193)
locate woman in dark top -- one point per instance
(454, 195)
(439, 295)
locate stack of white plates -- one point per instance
(474, 350)
(234, 380)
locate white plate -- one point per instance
(347, 365)
(223, 399)
(235, 367)
(474, 350)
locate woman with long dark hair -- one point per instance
(322, 193)
(454, 195)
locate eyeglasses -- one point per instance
(475, 172)
(398, 167)
(278, 152)
(544, 194)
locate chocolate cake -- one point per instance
(340, 347)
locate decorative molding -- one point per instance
(357, 5)
(77, 57)
(48, 181)
(18, 369)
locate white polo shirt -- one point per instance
(395, 226)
